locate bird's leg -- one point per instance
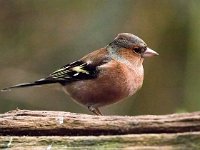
(96, 111)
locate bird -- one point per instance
(104, 76)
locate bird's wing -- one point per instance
(83, 69)
(78, 70)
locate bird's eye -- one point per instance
(121, 38)
(137, 50)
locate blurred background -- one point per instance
(38, 37)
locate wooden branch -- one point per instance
(53, 123)
(176, 131)
(134, 141)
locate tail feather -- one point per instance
(36, 83)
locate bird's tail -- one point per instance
(36, 83)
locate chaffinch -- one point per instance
(104, 76)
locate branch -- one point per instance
(54, 123)
(137, 142)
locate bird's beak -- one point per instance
(149, 53)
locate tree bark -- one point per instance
(22, 129)
(54, 123)
(182, 141)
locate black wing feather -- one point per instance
(77, 70)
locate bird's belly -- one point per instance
(105, 90)
(90, 94)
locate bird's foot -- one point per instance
(94, 110)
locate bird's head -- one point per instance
(133, 43)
